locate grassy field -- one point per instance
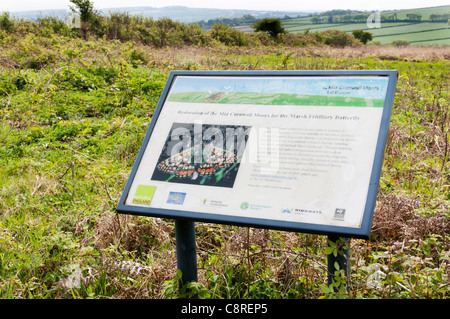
(425, 11)
(73, 114)
(420, 33)
(416, 33)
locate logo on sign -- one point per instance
(176, 198)
(339, 214)
(244, 205)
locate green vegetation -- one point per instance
(362, 36)
(73, 114)
(160, 33)
(423, 33)
(417, 26)
(271, 26)
(244, 20)
(424, 26)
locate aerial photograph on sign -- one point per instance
(284, 91)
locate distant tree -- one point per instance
(389, 17)
(315, 20)
(347, 18)
(399, 43)
(361, 17)
(85, 8)
(414, 17)
(6, 23)
(362, 36)
(439, 17)
(271, 26)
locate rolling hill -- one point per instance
(421, 32)
(177, 13)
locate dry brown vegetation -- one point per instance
(206, 57)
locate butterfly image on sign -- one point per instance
(181, 164)
(204, 163)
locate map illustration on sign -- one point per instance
(283, 150)
(345, 92)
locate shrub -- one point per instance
(192, 35)
(362, 36)
(256, 39)
(54, 25)
(228, 35)
(271, 26)
(399, 43)
(6, 86)
(137, 58)
(337, 38)
(29, 53)
(298, 40)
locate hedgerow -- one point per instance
(163, 32)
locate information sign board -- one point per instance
(288, 150)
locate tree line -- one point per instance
(88, 24)
(362, 17)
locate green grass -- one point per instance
(71, 129)
(415, 33)
(433, 33)
(425, 12)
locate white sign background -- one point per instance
(302, 163)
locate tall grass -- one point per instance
(73, 115)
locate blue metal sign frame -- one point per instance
(331, 230)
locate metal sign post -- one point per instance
(338, 263)
(186, 252)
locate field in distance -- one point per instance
(423, 32)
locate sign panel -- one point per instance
(289, 150)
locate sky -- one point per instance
(277, 5)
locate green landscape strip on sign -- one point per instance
(273, 99)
